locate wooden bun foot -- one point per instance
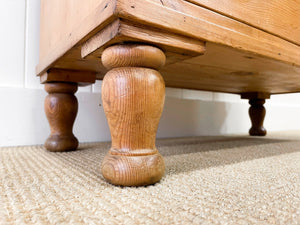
(258, 131)
(61, 109)
(257, 114)
(127, 170)
(57, 143)
(133, 93)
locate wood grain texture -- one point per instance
(239, 58)
(61, 109)
(182, 17)
(278, 17)
(133, 98)
(176, 17)
(257, 114)
(65, 24)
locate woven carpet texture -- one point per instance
(208, 180)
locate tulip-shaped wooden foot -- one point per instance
(133, 95)
(61, 109)
(257, 114)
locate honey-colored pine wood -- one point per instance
(170, 16)
(224, 69)
(61, 109)
(133, 95)
(279, 17)
(182, 17)
(257, 114)
(66, 23)
(124, 31)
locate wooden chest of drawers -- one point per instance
(245, 47)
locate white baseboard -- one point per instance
(23, 122)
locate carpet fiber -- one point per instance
(208, 180)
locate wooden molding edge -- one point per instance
(121, 31)
(83, 78)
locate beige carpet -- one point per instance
(209, 180)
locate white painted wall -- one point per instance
(186, 113)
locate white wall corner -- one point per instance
(12, 38)
(32, 34)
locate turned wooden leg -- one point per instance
(61, 109)
(257, 114)
(133, 94)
